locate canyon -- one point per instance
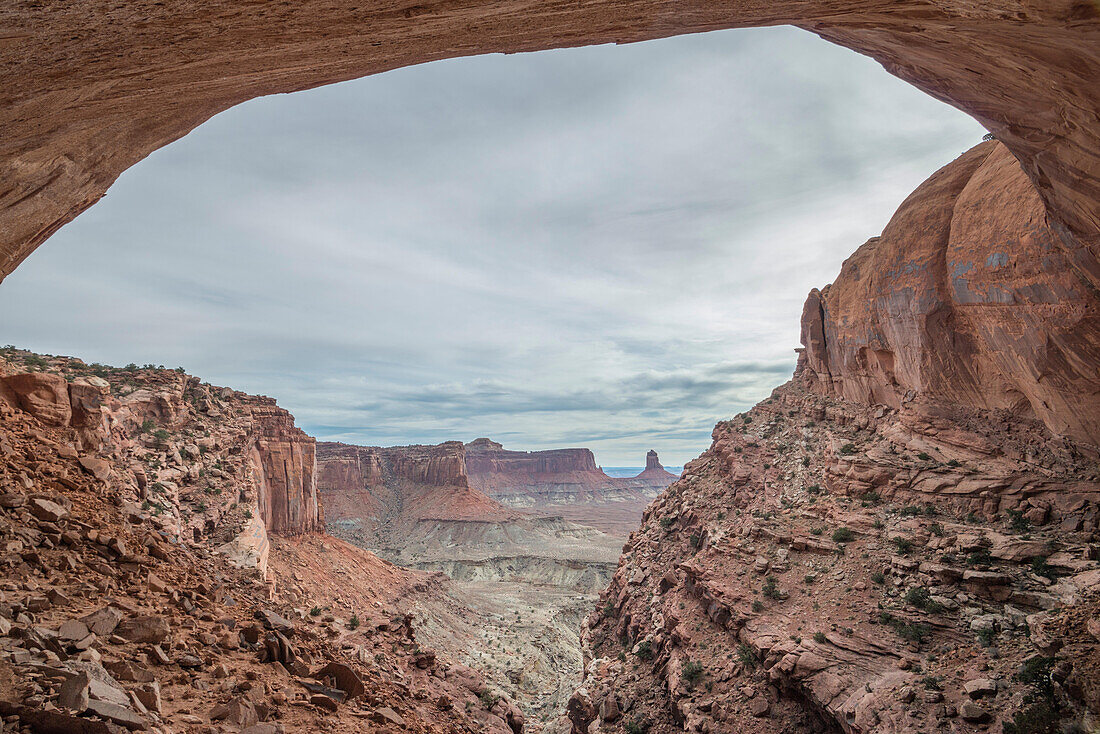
(534, 575)
(902, 538)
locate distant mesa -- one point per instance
(527, 479)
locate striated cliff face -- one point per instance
(121, 414)
(965, 299)
(285, 458)
(555, 477)
(900, 539)
(379, 495)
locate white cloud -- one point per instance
(605, 246)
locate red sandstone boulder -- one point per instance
(43, 395)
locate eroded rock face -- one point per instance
(89, 93)
(158, 418)
(556, 477)
(966, 299)
(288, 499)
(127, 619)
(829, 565)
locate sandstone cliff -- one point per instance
(185, 444)
(531, 479)
(965, 299)
(900, 539)
(130, 512)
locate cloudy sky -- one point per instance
(604, 247)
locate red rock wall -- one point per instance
(555, 461)
(284, 457)
(967, 299)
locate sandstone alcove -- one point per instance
(89, 91)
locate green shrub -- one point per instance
(913, 632)
(645, 650)
(819, 638)
(921, 598)
(636, 726)
(1040, 567)
(923, 456)
(843, 535)
(1043, 717)
(910, 511)
(315, 612)
(936, 529)
(848, 449)
(1017, 522)
(746, 656)
(757, 605)
(878, 577)
(903, 545)
(817, 531)
(353, 623)
(771, 588)
(692, 672)
(979, 558)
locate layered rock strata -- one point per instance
(120, 610)
(965, 299)
(529, 479)
(900, 539)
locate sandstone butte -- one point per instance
(901, 539)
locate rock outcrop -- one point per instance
(965, 299)
(399, 486)
(901, 538)
(151, 415)
(532, 479)
(88, 94)
(532, 578)
(285, 455)
(122, 607)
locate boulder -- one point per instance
(46, 510)
(343, 678)
(104, 621)
(144, 628)
(74, 693)
(43, 395)
(98, 468)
